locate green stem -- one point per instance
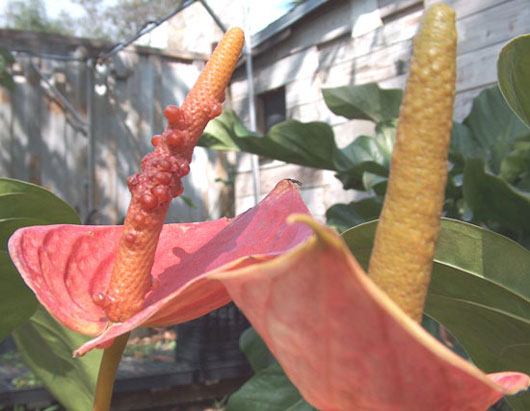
(107, 373)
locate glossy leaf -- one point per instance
(307, 144)
(23, 204)
(369, 156)
(495, 201)
(47, 347)
(268, 390)
(515, 167)
(364, 102)
(481, 279)
(513, 68)
(463, 145)
(17, 302)
(495, 127)
(345, 216)
(313, 144)
(256, 351)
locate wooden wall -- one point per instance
(355, 42)
(41, 142)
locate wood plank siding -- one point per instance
(355, 42)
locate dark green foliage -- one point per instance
(479, 291)
(513, 69)
(269, 389)
(23, 204)
(489, 156)
(45, 345)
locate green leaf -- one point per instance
(345, 216)
(479, 291)
(513, 68)
(369, 159)
(23, 204)
(364, 102)
(47, 348)
(256, 351)
(364, 155)
(463, 145)
(307, 144)
(25, 200)
(495, 128)
(45, 345)
(313, 144)
(516, 165)
(495, 201)
(17, 302)
(268, 390)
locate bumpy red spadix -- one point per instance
(345, 344)
(160, 181)
(66, 264)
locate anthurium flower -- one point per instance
(339, 338)
(66, 265)
(345, 344)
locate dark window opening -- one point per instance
(271, 110)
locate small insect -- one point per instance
(297, 182)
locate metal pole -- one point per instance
(251, 105)
(213, 16)
(90, 136)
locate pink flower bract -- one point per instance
(66, 265)
(339, 338)
(345, 344)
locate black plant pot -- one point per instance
(209, 345)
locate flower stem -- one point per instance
(107, 373)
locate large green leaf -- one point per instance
(45, 344)
(345, 216)
(313, 144)
(515, 167)
(369, 155)
(495, 201)
(268, 390)
(17, 302)
(494, 127)
(307, 144)
(23, 204)
(464, 145)
(479, 291)
(256, 351)
(364, 102)
(513, 68)
(47, 348)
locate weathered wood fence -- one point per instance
(79, 126)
